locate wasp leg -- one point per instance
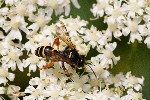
(47, 66)
(73, 67)
(64, 68)
(66, 71)
(56, 42)
(67, 47)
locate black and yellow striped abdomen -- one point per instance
(44, 51)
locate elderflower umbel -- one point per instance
(124, 18)
(54, 84)
(33, 18)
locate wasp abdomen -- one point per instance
(44, 51)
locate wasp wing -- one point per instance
(61, 32)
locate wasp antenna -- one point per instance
(81, 74)
(68, 75)
(93, 71)
(71, 79)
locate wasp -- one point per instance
(70, 55)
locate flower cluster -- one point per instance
(125, 17)
(25, 25)
(49, 86)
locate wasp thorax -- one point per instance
(48, 50)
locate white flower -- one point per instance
(73, 25)
(114, 13)
(19, 9)
(43, 80)
(53, 91)
(78, 82)
(4, 11)
(107, 57)
(14, 26)
(92, 36)
(11, 59)
(117, 80)
(34, 81)
(36, 40)
(32, 62)
(97, 68)
(83, 49)
(40, 20)
(99, 8)
(147, 16)
(13, 92)
(31, 5)
(36, 93)
(147, 33)
(11, 2)
(133, 28)
(30, 97)
(2, 90)
(132, 95)
(132, 81)
(8, 45)
(76, 40)
(115, 30)
(60, 6)
(147, 41)
(5, 75)
(133, 7)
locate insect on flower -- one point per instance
(70, 55)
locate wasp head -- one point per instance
(81, 61)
